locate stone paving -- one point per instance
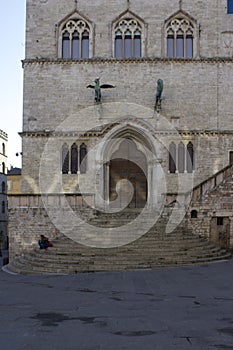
(174, 308)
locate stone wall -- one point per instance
(43, 18)
(212, 202)
(30, 217)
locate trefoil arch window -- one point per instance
(75, 37)
(180, 35)
(128, 33)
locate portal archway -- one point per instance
(128, 163)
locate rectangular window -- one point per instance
(231, 157)
(229, 6)
(220, 221)
(118, 46)
(75, 46)
(189, 46)
(85, 45)
(66, 48)
(170, 46)
(128, 45)
(180, 46)
(137, 45)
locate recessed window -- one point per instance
(3, 149)
(229, 6)
(74, 159)
(3, 207)
(231, 157)
(65, 159)
(75, 39)
(194, 214)
(83, 158)
(3, 187)
(128, 39)
(172, 158)
(180, 36)
(183, 160)
(220, 221)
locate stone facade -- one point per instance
(3, 196)
(59, 110)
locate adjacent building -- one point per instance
(3, 196)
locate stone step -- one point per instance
(66, 269)
(154, 249)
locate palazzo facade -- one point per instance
(104, 153)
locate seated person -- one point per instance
(43, 242)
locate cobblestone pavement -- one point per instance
(174, 308)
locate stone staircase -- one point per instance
(154, 249)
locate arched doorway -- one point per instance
(128, 163)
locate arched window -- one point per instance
(3, 149)
(65, 159)
(194, 214)
(3, 187)
(181, 157)
(75, 39)
(3, 207)
(74, 159)
(83, 158)
(172, 158)
(190, 157)
(3, 168)
(128, 38)
(180, 37)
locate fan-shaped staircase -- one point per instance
(154, 249)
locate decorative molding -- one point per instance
(41, 61)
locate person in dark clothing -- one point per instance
(43, 242)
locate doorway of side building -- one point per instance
(128, 163)
(220, 231)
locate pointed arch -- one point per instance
(65, 159)
(172, 158)
(3, 187)
(83, 158)
(181, 36)
(3, 149)
(128, 33)
(190, 157)
(181, 157)
(75, 37)
(3, 207)
(74, 159)
(3, 168)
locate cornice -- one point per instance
(3, 135)
(98, 60)
(105, 129)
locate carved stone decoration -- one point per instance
(227, 44)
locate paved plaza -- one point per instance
(174, 308)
